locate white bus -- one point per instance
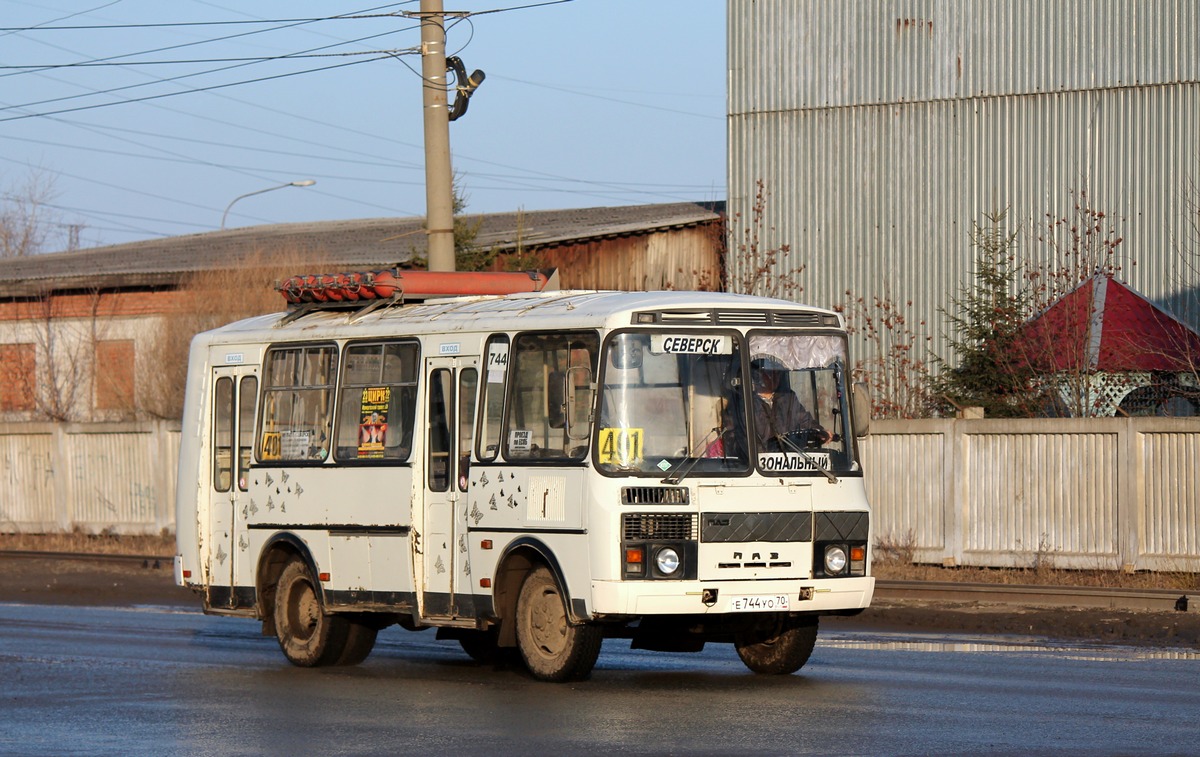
(540, 471)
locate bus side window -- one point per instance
(297, 414)
(247, 394)
(441, 388)
(495, 380)
(468, 383)
(543, 364)
(223, 434)
(377, 401)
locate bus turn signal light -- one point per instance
(634, 559)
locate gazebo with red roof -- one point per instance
(1104, 326)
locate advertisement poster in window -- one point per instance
(373, 430)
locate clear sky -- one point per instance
(132, 123)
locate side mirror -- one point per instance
(578, 378)
(861, 410)
(556, 399)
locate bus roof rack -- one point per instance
(367, 291)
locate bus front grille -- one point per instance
(659, 526)
(760, 527)
(654, 495)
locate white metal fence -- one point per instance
(1103, 493)
(1106, 493)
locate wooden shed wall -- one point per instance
(679, 259)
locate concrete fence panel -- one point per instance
(1106, 493)
(92, 477)
(27, 478)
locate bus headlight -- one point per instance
(660, 546)
(667, 560)
(835, 559)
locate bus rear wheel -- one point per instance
(308, 636)
(553, 649)
(780, 649)
(481, 646)
(360, 640)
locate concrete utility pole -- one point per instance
(439, 192)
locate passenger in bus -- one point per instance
(318, 448)
(777, 411)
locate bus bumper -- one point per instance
(644, 598)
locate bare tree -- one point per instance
(895, 369)
(63, 332)
(1072, 250)
(752, 267)
(206, 300)
(27, 223)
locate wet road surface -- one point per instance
(88, 680)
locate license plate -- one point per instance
(760, 603)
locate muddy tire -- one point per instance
(307, 635)
(553, 649)
(481, 646)
(778, 650)
(360, 640)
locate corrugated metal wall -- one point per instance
(884, 130)
(805, 54)
(1101, 493)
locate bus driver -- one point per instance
(777, 411)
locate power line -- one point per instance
(515, 8)
(7, 32)
(201, 42)
(132, 63)
(147, 98)
(93, 93)
(178, 24)
(178, 158)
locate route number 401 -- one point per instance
(620, 446)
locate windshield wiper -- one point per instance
(782, 439)
(686, 464)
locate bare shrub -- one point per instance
(895, 369)
(753, 268)
(206, 300)
(893, 549)
(1073, 248)
(27, 223)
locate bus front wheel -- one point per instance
(780, 649)
(308, 636)
(553, 649)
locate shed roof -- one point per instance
(1103, 325)
(370, 243)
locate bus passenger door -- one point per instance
(452, 385)
(235, 390)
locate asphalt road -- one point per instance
(82, 582)
(168, 680)
(114, 659)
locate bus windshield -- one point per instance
(796, 402)
(676, 403)
(664, 403)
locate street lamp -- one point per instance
(301, 183)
